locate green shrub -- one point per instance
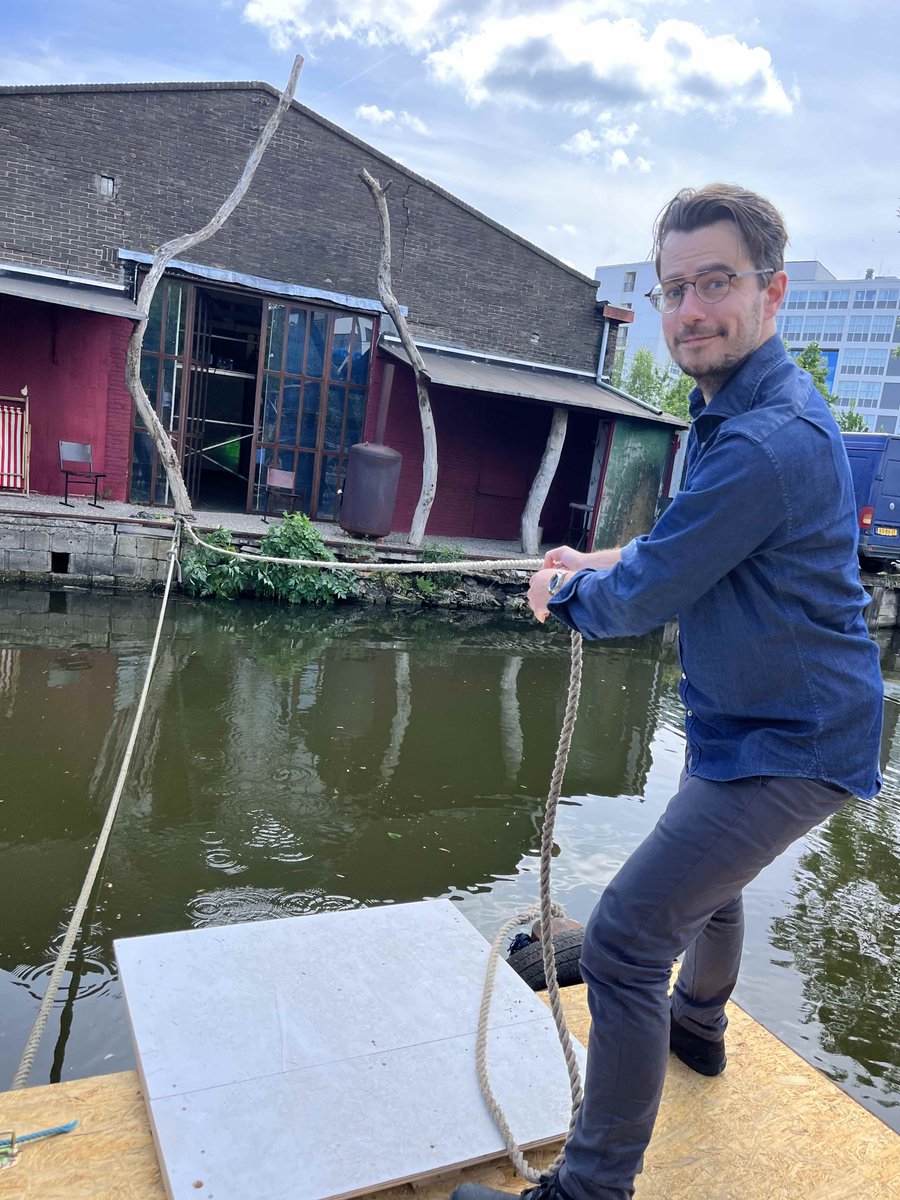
(205, 573)
(297, 537)
(438, 554)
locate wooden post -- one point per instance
(161, 259)
(389, 300)
(542, 481)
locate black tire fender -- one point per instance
(529, 961)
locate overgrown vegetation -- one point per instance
(205, 573)
(297, 537)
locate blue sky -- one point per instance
(569, 121)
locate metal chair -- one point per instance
(279, 484)
(76, 462)
(579, 525)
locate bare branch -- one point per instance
(423, 379)
(161, 259)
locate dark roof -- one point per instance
(476, 373)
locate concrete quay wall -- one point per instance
(113, 554)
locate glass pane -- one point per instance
(290, 412)
(176, 308)
(293, 362)
(334, 418)
(340, 347)
(150, 376)
(261, 467)
(275, 337)
(268, 413)
(356, 409)
(315, 352)
(328, 486)
(362, 348)
(284, 460)
(141, 467)
(303, 482)
(154, 322)
(161, 490)
(171, 393)
(310, 423)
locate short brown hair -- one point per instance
(759, 223)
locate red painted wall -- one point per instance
(489, 449)
(73, 363)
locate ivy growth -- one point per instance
(205, 573)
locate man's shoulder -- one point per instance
(788, 413)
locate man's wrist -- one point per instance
(557, 581)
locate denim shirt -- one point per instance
(757, 558)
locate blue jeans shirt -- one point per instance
(757, 559)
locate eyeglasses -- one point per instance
(711, 287)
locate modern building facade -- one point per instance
(856, 323)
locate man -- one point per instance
(756, 557)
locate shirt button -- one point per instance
(683, 676)
(689, 713)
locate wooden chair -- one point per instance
(579, 525)
(279, 486)
(76, 462)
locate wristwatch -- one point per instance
(557, 579)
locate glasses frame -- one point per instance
(656, 292)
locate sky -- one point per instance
(571, 122)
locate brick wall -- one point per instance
(176, 151)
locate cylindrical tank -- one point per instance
(370, 489)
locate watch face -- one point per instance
(556, 582)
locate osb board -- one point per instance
(770, 1128)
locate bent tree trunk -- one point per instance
(540, 488)
(161, 259)
(389, 300)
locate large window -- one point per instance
(888, 298)
(792, 330)
(839, 298)
(818, 299)
(812, 329)
(858, 329)
(864, 298)
(834, 329)
(312, 402)
(161, 375)
(796, 299)
(876, 362)
(882, 328)
(852, 362)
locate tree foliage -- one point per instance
(664, 387)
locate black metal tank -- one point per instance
(370, 489)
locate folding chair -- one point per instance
(279, 485)
(76, 462)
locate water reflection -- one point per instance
(296, 762)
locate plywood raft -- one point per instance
(770, 1128)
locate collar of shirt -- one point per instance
(739, 391)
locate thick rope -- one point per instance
(483, 566)
(546, 910)
(65, 951)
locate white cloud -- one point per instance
(583, 144)
(618, 159)
(414, 23)
(565, 228)
(619, 135)
(642, 164)
(374, 115)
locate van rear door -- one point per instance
(885, 530)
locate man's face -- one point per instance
(708, 341)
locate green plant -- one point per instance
(440, 579)
(206, 573)
(297, 537)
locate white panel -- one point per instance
(329, 1055)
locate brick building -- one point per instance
(268, 348)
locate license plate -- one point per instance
(884, 531)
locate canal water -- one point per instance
(300, 761)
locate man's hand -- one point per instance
(575, 560)
(539, 592)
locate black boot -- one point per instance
(700, 1054)
(547, 1188)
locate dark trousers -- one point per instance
(679, 892)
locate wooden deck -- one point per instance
(770, 1128)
